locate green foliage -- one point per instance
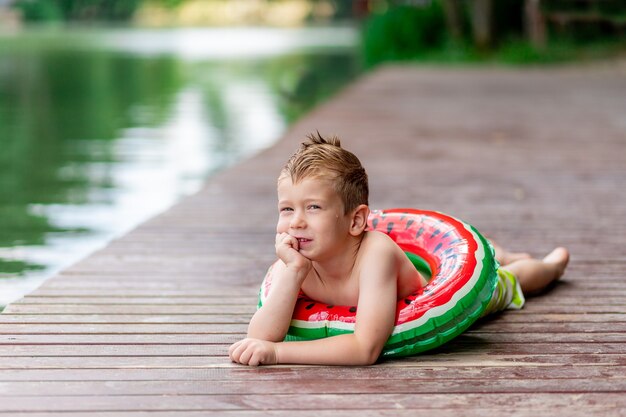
(168, 4)
(39, 11)
(420, 34)
(77, 10)
(303, 81)
(403, 32)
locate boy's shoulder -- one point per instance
(377, 243)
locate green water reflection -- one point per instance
(59, 111)
(64, 110)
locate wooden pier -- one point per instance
(533, 158)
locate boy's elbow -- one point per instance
(370, 354)
(373, 356)
(368, 360)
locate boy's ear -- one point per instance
(359, 220)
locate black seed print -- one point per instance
(375, 223)
(389, 227)
(435, 233)
(438, 247)
(409, 223)
(447, 234)
(310, 306)
(352, 310)
(330, 306)
(407, 301)
(419, 232)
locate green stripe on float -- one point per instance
(443, 328)
(420, 264)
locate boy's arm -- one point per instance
(374, 322)
(272, 320)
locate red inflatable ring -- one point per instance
(456, 258)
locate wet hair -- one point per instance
(320, 157)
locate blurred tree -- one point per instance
(38, 11)
(454, 18)
(79, 10)
(482, 17)
(403, 32)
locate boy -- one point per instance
(325, 252)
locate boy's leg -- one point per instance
(505, 257)
(526, 276)
(535, 275)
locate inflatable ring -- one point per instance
(458, 262)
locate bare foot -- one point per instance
(559, 257)
(535, 275)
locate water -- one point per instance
(100, 130)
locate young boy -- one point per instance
(325, 252)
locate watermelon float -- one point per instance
(458, 263)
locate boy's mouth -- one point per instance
(303, 240)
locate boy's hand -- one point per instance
(253, 352)
(287, 250)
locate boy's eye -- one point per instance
(314, 207)
(282, 209)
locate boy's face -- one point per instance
(313, 212)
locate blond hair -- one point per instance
(318, 157)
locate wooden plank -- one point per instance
(326, 404)
(208, 328)
(213, 348)
(382, 371)
(155, 300)
(450, 360)
(476, 411)
(117, 339)
(308, 387)
(134, 318)
(107, 328)
(126, 309)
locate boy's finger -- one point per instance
(238, 350)
(293, 242)
(254, 360)
(245, 356)
(281, 238)
(287, 239)
(233, 347)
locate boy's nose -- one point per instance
(297, 221)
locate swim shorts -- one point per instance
(507, 295)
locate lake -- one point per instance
(102, 129)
